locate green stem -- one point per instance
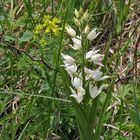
(52, 5)
(92, 116)
(59, 52)
(136, 100)
(120, 119)
(83, 60)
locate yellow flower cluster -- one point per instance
(52, 25)
(49, 25)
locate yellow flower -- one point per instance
(48, 17)
(49, 25)
(52, 25)
(48, 29)
(55, 28)
(38, 28)
(55, 20)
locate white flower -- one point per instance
(68, 60)
(103, 78)
(95, 57)
(96, 75)
(76, 47)
(77, 40)
(71, 69)
(70, 66)
(91, 53)
(94, 91)
(79, 92)
(88, 73)
(76, 43)
(78, 95)
(76, 82)
(92, 34)
(71, 31)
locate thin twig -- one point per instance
(22, 94)
(24, 52)
(125, 77)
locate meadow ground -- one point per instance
(69, 70)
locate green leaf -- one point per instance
(137, 130)
(27, 36)
(134, 117)
(2, 18)
(81, 120)
(124, 90)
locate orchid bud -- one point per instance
(85, 16)
(77, 22)
(87, 29)
(76, 13)
(81, 11)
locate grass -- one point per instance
(35, 90)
